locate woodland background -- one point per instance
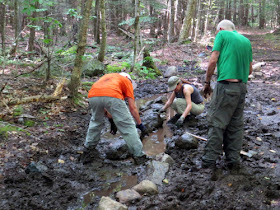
(52, 35)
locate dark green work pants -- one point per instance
(225, 121)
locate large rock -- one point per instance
(157, 171)
(93, 68)
(146, 187)
(127, 196)
(117, 150)
(171, 71)
(186, 141)
(151, 120)
(107, 203)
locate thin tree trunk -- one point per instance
(137, 32)
(197, 26)
(246, 13)
(76, 74)
(185, 30)
(102, 51)
(241, 13)
(32, 31)
(278, 12)
(16, 26)
(228, 10)
(209, 6)
(2, 26)
(96, 22)
(171, 22)
(234, 12)
(262, 14)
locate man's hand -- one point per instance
(143, 130)
(114, 128)
(207, 90)
(180, 122)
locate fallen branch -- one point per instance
(38, 98)
(32, 69)
(127, 33)
(242, 152)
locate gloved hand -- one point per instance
(180, 122)
(207, 90)
(114, 128)
(143, 130)
(161, 111)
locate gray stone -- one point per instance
(93, 68)
(146, 187)
(108, 203)
(157, 171)
(117, 150)
(186, 141)
(171, 71)
(151, 120)
(127, 196)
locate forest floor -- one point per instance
(40, 167)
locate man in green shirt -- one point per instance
(232, 54)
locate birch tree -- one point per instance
(185, 30)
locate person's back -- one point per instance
(235, 55)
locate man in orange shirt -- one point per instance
(109, 93)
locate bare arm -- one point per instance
(133, 110)
(212, 65)
(188, 90)
(170, 101)
(251, 68)
(185, 81)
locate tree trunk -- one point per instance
(278, 12)
(152, 27)
(261, 14)
(102, 51)
(16, 26)
(136, 32)
(2, 26)
(76, 73)
(209, 6)
(32, 31)
(96, 22)
(228, 10)
(221, 14)
(241, 13)
(171, 22)
(197, 26)
(234, 12)
(246, 13)
(185, 30)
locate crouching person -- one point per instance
(109, 93)
(185, 99)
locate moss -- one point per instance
(18, 110)
(29, 123)
(117, 67)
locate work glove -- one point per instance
(161, 111)
(207, 90)
(180, 122)
(143, 130)
(114, 128)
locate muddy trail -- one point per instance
(40, 169)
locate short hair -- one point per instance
(226, 25)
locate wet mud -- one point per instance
(42, 170)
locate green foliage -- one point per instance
(29, 123)
(5, 129)
(18, 110)
(144, 72)
(74, 13)
(142, 20)
(69, 51)
(117, 67)
(87, 85)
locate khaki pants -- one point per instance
(122, 118)
(225, 120)
(180, 104)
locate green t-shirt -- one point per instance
(235, 55)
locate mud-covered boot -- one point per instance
(141, 160)
(88, 155)
(174, 119)
(238, 169)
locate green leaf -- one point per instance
(47, 41)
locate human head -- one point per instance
(129, 77)
(226, 25)
(173, 82)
